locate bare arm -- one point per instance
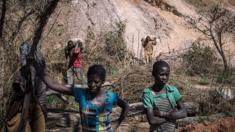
(56, 86)
(125, 109)
(76, 48)
(105, 84)
(179, 113)
(153, 119)
(40, 67)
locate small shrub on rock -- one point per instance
(199, 59)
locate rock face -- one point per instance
(140, 19)
(101, 16)
(77, 17)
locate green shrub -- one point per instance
(226, 77)
(204, 81)
(108, 49)
(200, 119)
(115, 45)
(199, 59)
(54, 102)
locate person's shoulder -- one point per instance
(147, 90)
(171, 88)
(110, 92)
(111, 96)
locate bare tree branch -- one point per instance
(20, 23)
(219, 21)
(42, 22)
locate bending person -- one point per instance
(27, 105)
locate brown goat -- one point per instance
(148, 44)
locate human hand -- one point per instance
(161, 113)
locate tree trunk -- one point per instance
(138, 108)
(225, 62)
(1, 72)
(2, 75)
(219, 47)
(2, 17)
(42, 22)
(226, 67)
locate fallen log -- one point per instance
(192, 109)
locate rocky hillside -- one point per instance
(92, 20)
(76, 19)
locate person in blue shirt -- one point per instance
(95, 103)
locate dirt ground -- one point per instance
(226, 124)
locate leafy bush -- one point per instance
(204, 81)
(226, 77)
(212, 102)
(199, 4)
(108, 49)
(199, 59)
(200, 119)
(115, 44)
(53, 100)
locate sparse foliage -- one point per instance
(199, 4)
(214, 24)
(20, 21)
(115, 44)
(199, 58)
(108, 49)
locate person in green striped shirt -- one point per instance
(162, 102)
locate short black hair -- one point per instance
(70, 42)
(98, 70)
(157, 65)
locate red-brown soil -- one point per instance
(226, 124)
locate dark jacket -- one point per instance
(38, 91)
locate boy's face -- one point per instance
(162, 75)
(94, 83)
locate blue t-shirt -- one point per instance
(95, 113)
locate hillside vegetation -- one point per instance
(112, 31)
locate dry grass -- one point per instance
(132, 82)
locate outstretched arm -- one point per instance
(56, 86)
(105, 84)
(40, 67)
(125, 109)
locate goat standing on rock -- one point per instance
(148, 44)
